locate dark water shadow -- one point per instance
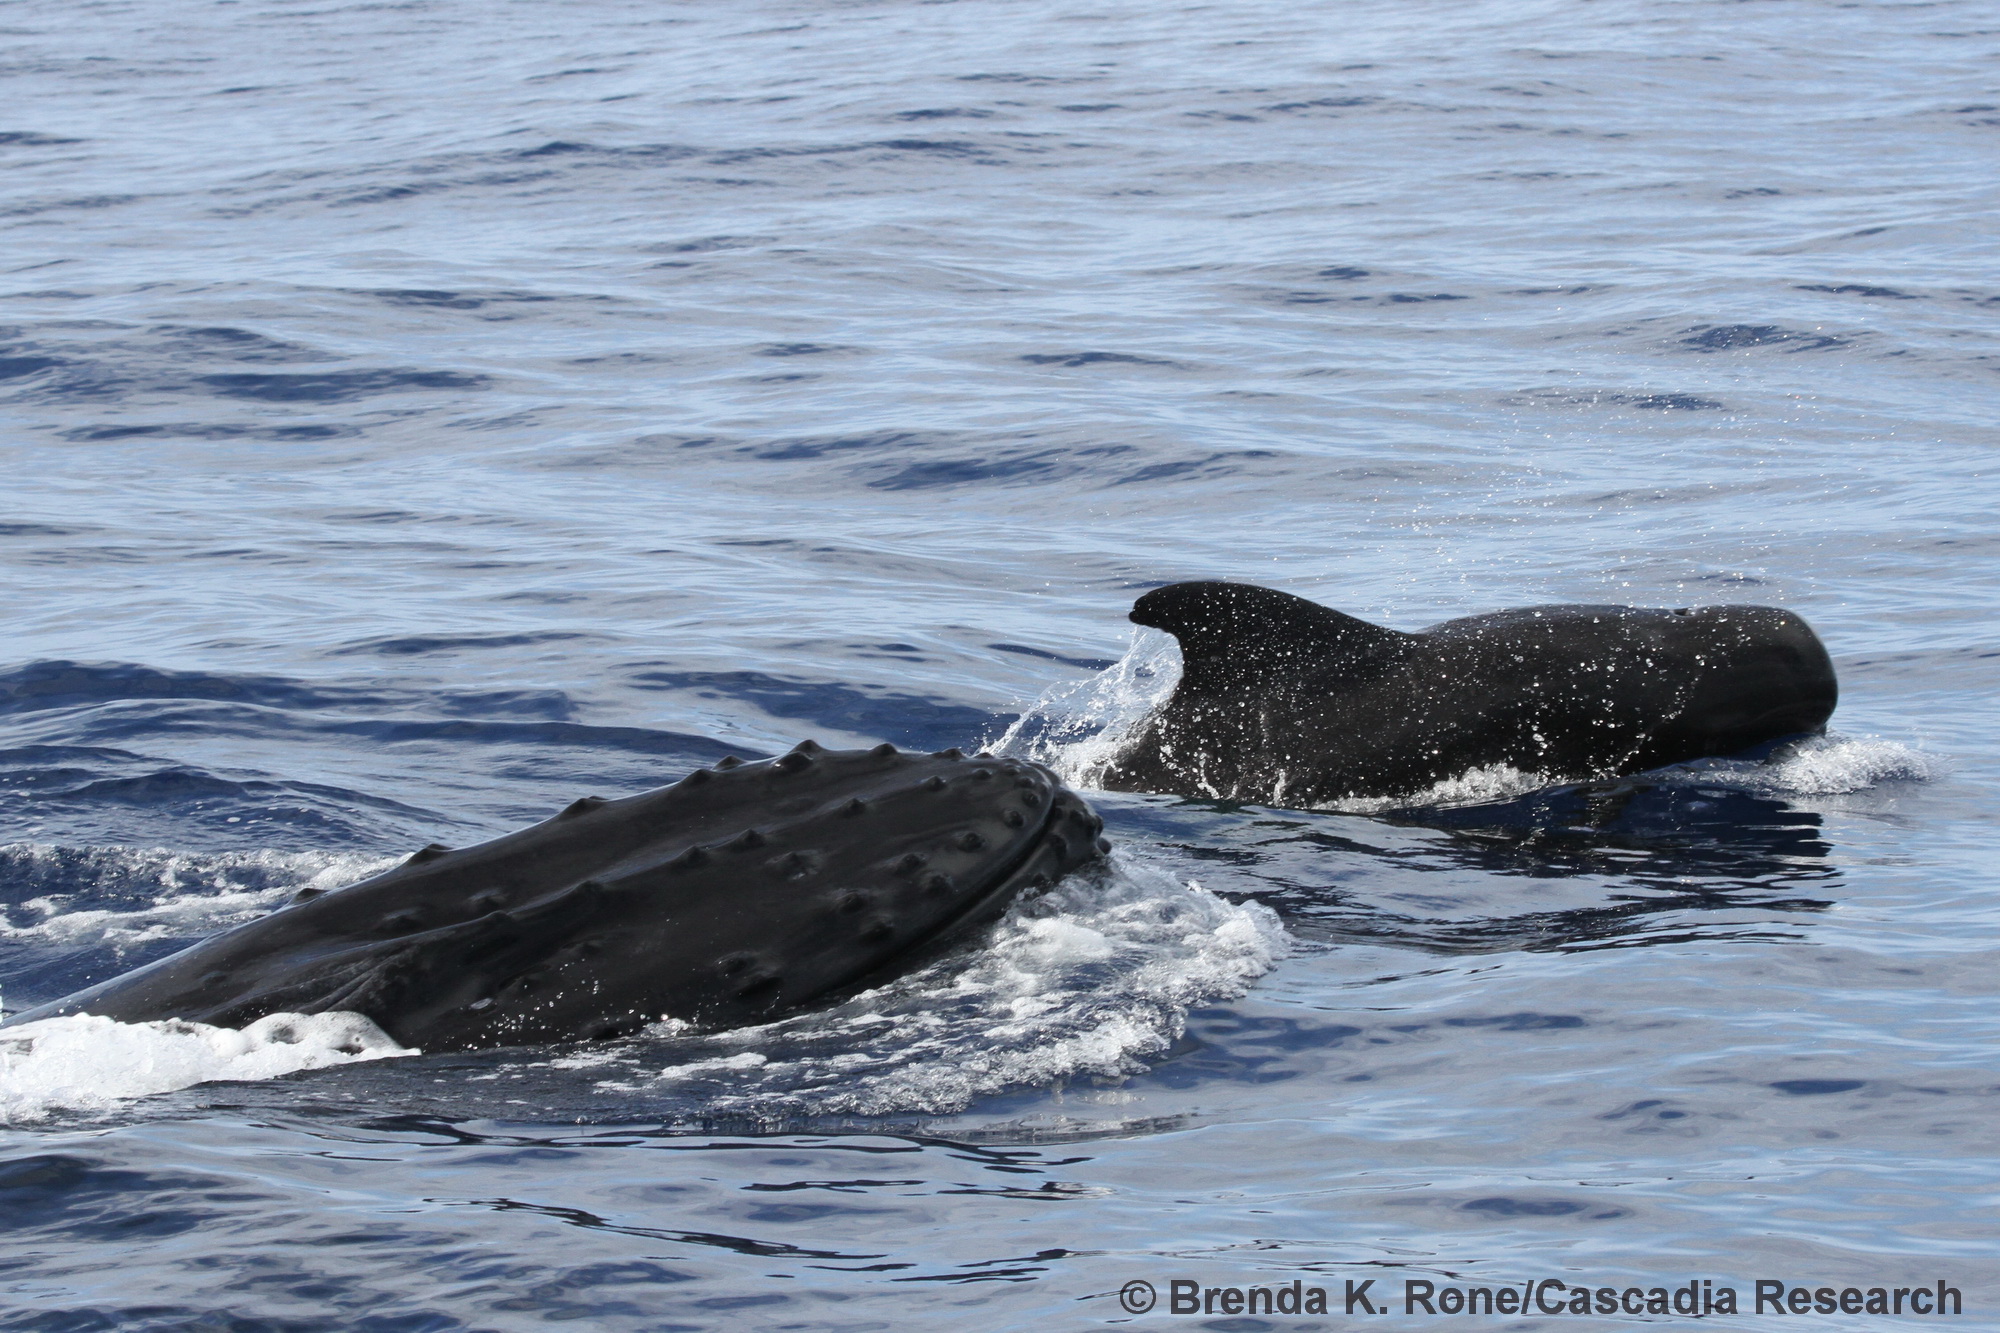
(1626, 862)
(1660, 832)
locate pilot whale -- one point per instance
(737, 895)
(1286, 702)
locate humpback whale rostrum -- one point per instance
(737, 895)
(1286, 702)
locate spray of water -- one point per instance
(1078, 728)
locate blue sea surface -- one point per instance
(418, 415)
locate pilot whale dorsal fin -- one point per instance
(1228, 630)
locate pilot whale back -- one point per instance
(1286, 702)
(737, 895)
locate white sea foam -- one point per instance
(1475, 786)
(161, 894)
(120, 897)
(86, 1063)
(1829, 765)
(1089, 981)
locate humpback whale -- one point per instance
(735, 896)
(1286, 702)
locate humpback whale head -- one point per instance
(741, 893)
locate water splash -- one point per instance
(1078, 728)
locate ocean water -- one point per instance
(418, 415)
